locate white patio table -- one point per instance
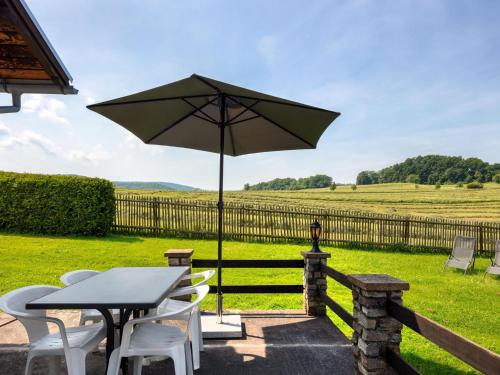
(129, 289)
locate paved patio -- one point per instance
(276, 342)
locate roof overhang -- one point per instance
(28, 62)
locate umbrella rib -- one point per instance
(245, 119)
(201, 79)
(149, 100)
(199, 110)
(230, 131)
(180, 120)
(304, 106)
(242, 112)
(276, 124)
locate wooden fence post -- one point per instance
(481, 239)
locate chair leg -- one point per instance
(77, 362)
(200, 332)
(179, 359)
(189, 358)
(54, 365)
(137, 365)
(195, 339)
(29, 365)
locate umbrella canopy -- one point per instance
(204, 114)
(186, 113)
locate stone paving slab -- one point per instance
(276, 342)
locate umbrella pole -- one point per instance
(220, 208)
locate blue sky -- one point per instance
(410, 78)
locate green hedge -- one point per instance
(61, 205)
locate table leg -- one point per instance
(110, 334)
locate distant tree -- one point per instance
(354, 187)
(333, 186)
(460, 185)
(412, 179)
(496, 178)
(317, 181)
(367, 178)
(475, 185)
(437, 186)
(433, 169)
(246, 187)
(416, 186)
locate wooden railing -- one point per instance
(243, 289)
(171, 217)
(341, 278)
(480, 358)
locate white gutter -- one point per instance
(17, 89)
(16, 104)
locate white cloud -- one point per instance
(89, 100)
(93, 156)
(4, 130)
(29, 139)
(266, 46)
(46, 108)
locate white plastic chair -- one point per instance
(86, 315)
(170, 305)
(73, 343)
(146, 337)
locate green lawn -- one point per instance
(466, 304)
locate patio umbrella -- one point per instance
(204, 114)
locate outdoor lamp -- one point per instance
(315, 229)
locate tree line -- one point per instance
(434, 169)
(317, 181)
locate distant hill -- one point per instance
(152, 185)
(433, 169)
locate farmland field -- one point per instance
(466, 304)
(402, 199)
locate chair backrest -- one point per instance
(14, 303)
(200, 291)
(73, 277)
(204, 275)
(463, 247)
(496, 261)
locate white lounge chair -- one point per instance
(494, 269)
(71, 343)
(86, 315)
(146, 337)
(463, 253)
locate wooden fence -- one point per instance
(167, 217)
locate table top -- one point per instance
(124, 287)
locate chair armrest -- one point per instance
(60, 325)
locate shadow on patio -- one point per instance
(276, 342)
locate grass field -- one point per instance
(466, 304)
(402, 199)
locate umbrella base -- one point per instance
(229, 328)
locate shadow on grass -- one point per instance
(108, 238)
(427, 366)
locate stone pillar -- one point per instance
(314, 282)
(177, 258)
(374, 330)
